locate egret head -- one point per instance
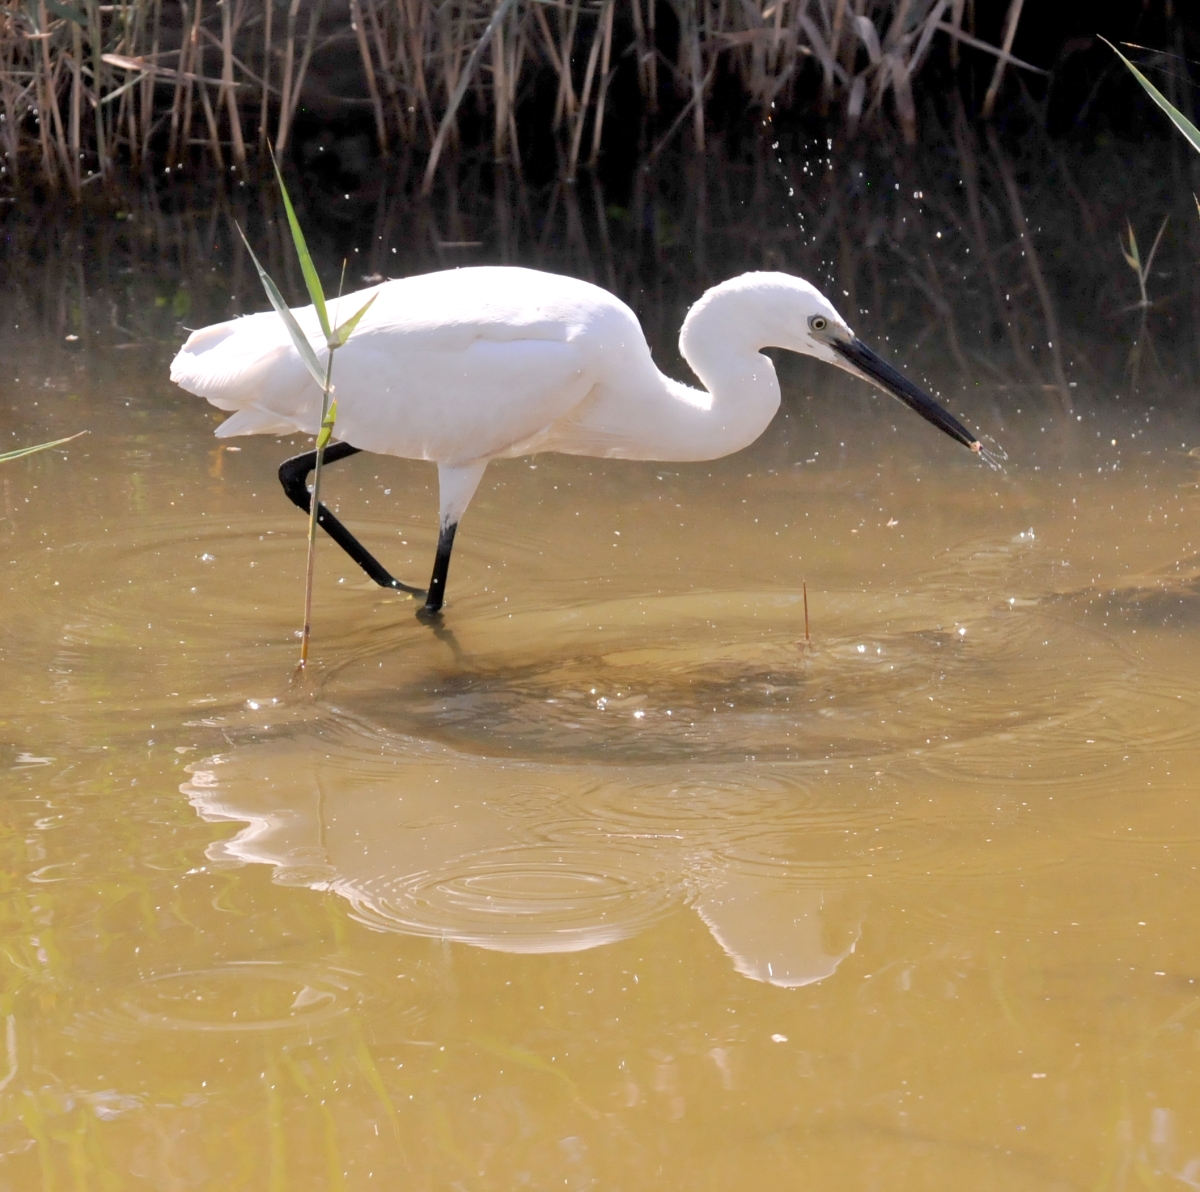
(782, 311)
(837, 344)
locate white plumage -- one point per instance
(468, 365)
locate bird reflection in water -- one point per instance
(410, 840)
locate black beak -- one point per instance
(864, 362)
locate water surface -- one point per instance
(619, 881)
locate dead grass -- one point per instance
(85, 86)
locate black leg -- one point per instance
(441, 567)
(293, 475)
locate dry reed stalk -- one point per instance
(417, 32)
(293, 72)
(956, 19)
(693, 67)
(38, 75)
(639, 48)
(364, 52)
(173, 142)
(565, 103)
(268, 49)
(8, 134)
(586, 94)
(459, 91)
(453, 40)
(100, 83)
(516, 65)
(289, 58)
(819, 48)
(126, 117)
(665, 139)
(904, 66)
(775, 35)
(652, 64)
(1010, 32)
(48, 102)
(192, 47)
(551, 48)
(147, 89)
(230, 20)
(411, 50)
(210, 119)
(378, 50)
(76, 105)
(958, 35)
(605, 79)
(13, 98)
(416, 21)
(455, 58)
(896, 26)
(500, 95)
(835, 43)
(483, 93)
(295, 83)
(394, 64)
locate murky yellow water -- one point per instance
(617, 882)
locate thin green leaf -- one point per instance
(344, 332)
(1180, 121)
(1132, 258)
(1154, 247)
(298, 337)
(326, 432)
(315, 292)
(7, 455)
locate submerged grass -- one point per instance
(23, 451)
(85, 86)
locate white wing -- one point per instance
(452, 366)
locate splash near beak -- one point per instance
(862, 361)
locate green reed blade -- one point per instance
(7, 455)
(328, 414)
(298, 337)
(324, 378)
(1132, 256)
(1180, 121)
(326, 431)
(344, 332)
(315, 290)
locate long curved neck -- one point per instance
(637, 412)
(721, 341)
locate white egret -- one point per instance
(468, 365)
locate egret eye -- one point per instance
(818, 322)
